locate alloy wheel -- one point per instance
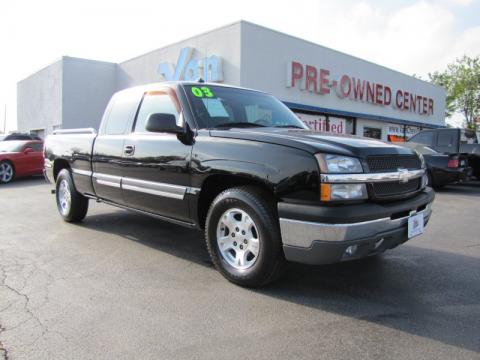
(6, 172)
(64, 197)
(238, 239)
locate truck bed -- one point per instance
(76, 148)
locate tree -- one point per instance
(461, 81)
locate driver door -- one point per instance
(156, 174)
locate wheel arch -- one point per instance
(215, 184)
(59, 165)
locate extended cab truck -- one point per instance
(461, 144)
(240, 165)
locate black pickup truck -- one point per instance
(240, 165)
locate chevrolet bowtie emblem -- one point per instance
(403, 176)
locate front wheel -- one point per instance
(71, 205)
(243, 237)
(6, 172)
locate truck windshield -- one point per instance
(224, 107)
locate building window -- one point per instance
(38, 132)
(371, 132)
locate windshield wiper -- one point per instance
(290, 126)
(239, 124)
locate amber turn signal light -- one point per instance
(325, 192)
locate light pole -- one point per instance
(5, 120)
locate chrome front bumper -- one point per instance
(303, 233)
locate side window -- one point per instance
(445, 139)
(153, 103)
(37, 147)
(118, 117)
(468, 137)
(425, 138)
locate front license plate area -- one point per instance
(415, 225)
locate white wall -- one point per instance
(71, 93)
(39, 99)
(224, 42)
(87, 87)
(266, 53)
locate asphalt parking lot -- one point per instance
(124, 286)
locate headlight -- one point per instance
(336, 192)
(330, 163)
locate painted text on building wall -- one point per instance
(191, 69)
(320, 81)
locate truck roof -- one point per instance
(155, 86)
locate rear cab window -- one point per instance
(445, 138)
(119, 113)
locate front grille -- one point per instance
(395, 188)
(389, 163)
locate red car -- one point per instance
(20, 158)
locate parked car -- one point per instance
(240, 165)
(443, 169)
(19, 136)
(462, 143)
(19, 158)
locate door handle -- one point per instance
(129, 150)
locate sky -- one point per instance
(411, 36)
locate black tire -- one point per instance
(430, 180)
(258, 205)
(4, 164)
(77, 210)
(432, 183)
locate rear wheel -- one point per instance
(243, 237)
(7, 172)
(71, 205)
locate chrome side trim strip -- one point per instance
(148, 187)
(75, 131)
(108, 180)
(400, 176)
(154, 188)
(82, 172)
(193, 190)
(304, 233)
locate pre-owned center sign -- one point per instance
(320, 81)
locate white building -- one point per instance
(329, 90)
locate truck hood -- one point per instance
(315, 142)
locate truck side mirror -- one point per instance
(162, 122)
